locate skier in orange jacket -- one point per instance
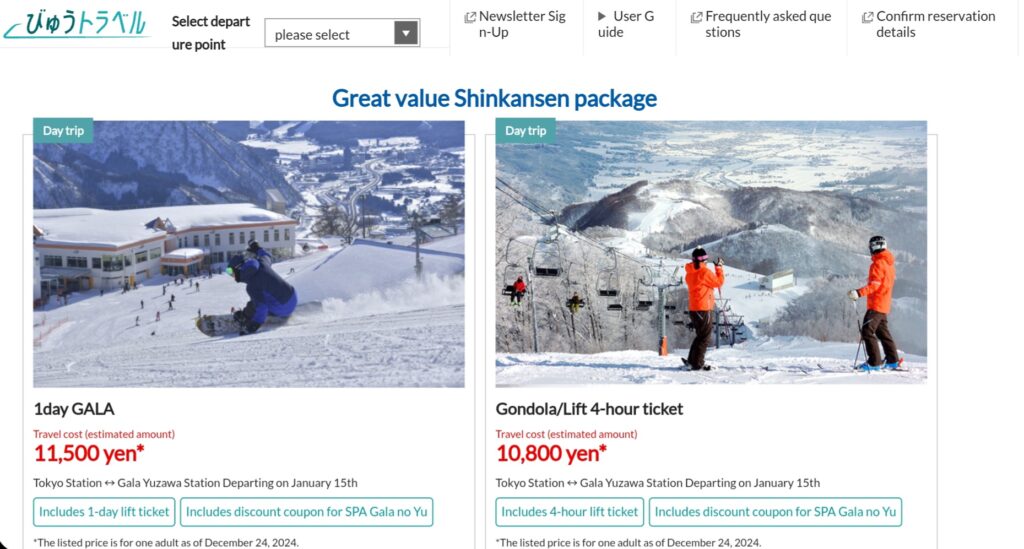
(878, 290)
(701, 284)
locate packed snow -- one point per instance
(377, 326)
(666, 206)
(772, 360)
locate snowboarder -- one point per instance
(269, 294)
(137, 321)
(172, 298)
(701, 284)
(170, 305)
(142, 304)
(575, 302)
(878, 290)
(197, 287)
(165, 290)
(518, 291)
(158, 316)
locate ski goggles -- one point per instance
(701, 258)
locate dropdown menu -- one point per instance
(341, 33)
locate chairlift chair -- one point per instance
(642, 293)
(547, 259)
(580, 305)
(644, 304)
(608, 285)
(644, 300)
(509, 279)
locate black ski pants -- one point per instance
(875, 328)
(704, 325)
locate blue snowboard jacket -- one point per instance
(268, 292)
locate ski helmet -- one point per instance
(876, 244)
(235, 266)
(699, 254)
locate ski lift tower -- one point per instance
(416, 222)
(533, 302)
(663, 284)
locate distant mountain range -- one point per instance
(762, 230)
(142, 164)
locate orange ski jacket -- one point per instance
(701, 284)
(881, 277)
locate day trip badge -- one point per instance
(62, 130)
(525, 130)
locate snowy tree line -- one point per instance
(585, 269)
(823, 313)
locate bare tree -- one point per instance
(333, 220)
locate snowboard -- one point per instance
(225, 324)
(222, 325)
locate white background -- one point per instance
(969, 95)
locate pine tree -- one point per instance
(452, 211)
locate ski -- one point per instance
(899, 367)
(688, 366)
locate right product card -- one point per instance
(712, 334)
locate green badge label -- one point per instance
(525, 130)
(62, 130)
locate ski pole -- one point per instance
(857, 356)
(860, 340)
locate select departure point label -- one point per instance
(214, 27)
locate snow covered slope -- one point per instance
(368, 266)
(374, 330)
(743, 291)
(778, 360)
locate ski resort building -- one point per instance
(779, 281)
(82, 248)
(276, 202)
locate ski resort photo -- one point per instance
(713, 252)
(250, 254)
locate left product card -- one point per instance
(240, 331)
